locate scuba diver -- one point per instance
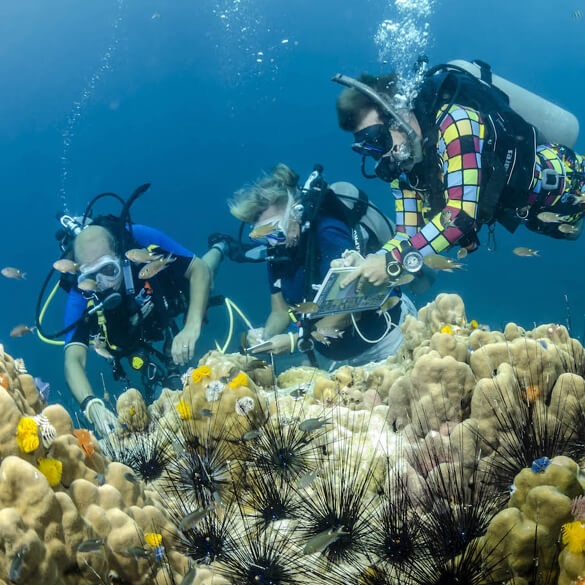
(303, 230)
(462, 156)
(125, 306)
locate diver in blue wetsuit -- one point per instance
(299, 259)
(143, 312)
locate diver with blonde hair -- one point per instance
(299, 258)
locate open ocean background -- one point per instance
(175, 92)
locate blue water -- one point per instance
(184, 104)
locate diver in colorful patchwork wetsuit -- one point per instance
(459, 158)
(300, 257)
(129, 318)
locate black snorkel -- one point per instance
(415, 145)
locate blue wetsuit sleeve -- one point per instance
(76, 304)
(148, 236)
(334, 239)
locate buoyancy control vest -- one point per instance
(509, 151)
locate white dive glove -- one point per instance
(100, 417)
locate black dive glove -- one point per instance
(230, 247)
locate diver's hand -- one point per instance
(373, 271)
(183, 347)
(232, 248)
(348, 258)
(278, 344)
(255, 336)
(104, 420)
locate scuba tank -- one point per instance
(554, 123)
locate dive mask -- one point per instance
(106, 272)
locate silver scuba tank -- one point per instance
(556, 124)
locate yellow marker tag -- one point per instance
(137, 362)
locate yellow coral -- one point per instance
(574, 536)
(153, 539)
(132, 411)
(184, 410)
(474, 324)
(27, 435)
(204, 371)
(447, 329)
(51, 469)
(196, 376)
(240, 380)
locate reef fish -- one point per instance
(44, 388)
(577, 14)
(306, 308)
(66, 266)
(15, 273)
(153, 268)
(550, 217)
(313, 424)
(100, 348)
(142, 255)
(131, 478)
(320, 542)
(21, 330)
(567, 228)
(191, 519)
(521, 251)
(90, 545)
(87, 285)
(388, 304)
(138, 552)
(189, 577)
(263, 230)
(16, 563)
(442, 263)
(251, 435)
(403, 279)
(206, 412)
(307, 479)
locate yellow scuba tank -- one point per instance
(554, 123)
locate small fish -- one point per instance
(66, 266)
(307, 479)
(251, 435)
(388, 304)
(320, 542)
(129, 476)
(155, 16)
(206, 412)
(138, 552)
(90, 545)
(567, 228)
(320, 338)
(191, 519)
(153, 268)
(330, 332)
(403, 279)
(189, 577)
(550, 217)
(100, 348)
(473, 324)
(263, 230)
(87, 285)
(313, 424)
(577, 14)
(142, 255)
(298, 393)
(578, 199)
(10, 272)
(306, 308)
(255, 364)
(438, 262)
(17, 562)
(21, 330)
(462, 253)
(44, 388)
(446, 218)
(521, 251)
(447, 329)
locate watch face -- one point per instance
(413, 261)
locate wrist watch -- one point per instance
(393, 266)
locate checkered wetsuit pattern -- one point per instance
(460, 143)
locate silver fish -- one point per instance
(90, 545)
(320, 542)
(522, 251)
(251, 435)
(17, 563)
(142, 255)
(403, 279)
(306, 308)
(21, 330)
(438, 262)
(550, 217)
(307, 479)
(330, 332)
(189, 577)
(153, 268)
(191, 519)
(313, 424)
(66, 266)
(206, 412)
(320, 338)
(388, 304)
(567, 228)
(131, 478)
(578, 199)
(138, 552)
(15, 273)
(100, 348)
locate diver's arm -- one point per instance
(75, 374)
(278, 320)
(213, 259)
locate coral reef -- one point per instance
(456, 460)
